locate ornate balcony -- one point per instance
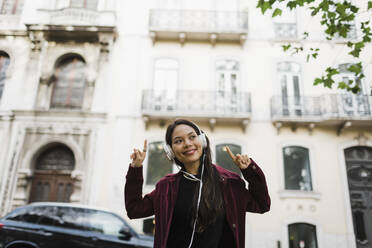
(73, 16)
(72, 23)
(211, 106)
(198, 25)
(342, 110)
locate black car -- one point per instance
(64, 225)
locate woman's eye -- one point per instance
(192, 136)
(177, 141)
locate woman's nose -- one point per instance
(187, 142)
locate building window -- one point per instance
(11, 7)
(290, 87)
(4, 64)
(285, 25)
(302, 235)
(353, 104)
(165, 84)
(69, 87)
(297, 168)
(223, 159)
(149, 226)
(158, 165)
(227, 85)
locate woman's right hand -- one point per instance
(137, 156)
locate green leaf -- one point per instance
(265, 6)
(277, 12)
(286, 47)
(369, 5)
(342, 85)
(318, 81)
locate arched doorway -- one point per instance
(359, 174)
(52, 175)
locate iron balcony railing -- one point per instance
(330, 106)
(198, 21)
(76, 16)
(196, 103)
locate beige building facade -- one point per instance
(82, 83)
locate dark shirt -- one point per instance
(181, 227)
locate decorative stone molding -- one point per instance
(24, 175)
(37, 39)
(361, 139)
(78, 177)
(105, 41)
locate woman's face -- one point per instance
(186, 145)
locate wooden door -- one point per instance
(51, 187)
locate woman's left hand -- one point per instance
(242, 161)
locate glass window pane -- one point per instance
(223, 159)
(69, 87)
(4, 64)
(74, 218)
(11, 7)
(103, 222)
(302, 235)
(149, 226)
(58, 157)
(37, 215)
(297, 168)
(158, 165)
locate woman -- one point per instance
(203, 205)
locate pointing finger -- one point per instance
(230, 153)
(145, 146)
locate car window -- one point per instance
(44, 215)
(68, 217)
(104, 222)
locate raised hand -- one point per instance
(138, 156)
(242, 161)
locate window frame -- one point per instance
(298, 194)
(301, 219)
(149, 187)
(15, 6)
(155, 70)
(6, 72)
(221, 141)
(61, 62)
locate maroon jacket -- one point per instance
(162, 199)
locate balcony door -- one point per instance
(227, 85)
(353, 104)
(290, 88)
(165, 84)
(359, 175)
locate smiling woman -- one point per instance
(203, 205)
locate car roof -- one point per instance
(65, 204)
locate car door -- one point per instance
(70, 228)
(111, 231)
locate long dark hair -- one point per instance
(211, 204)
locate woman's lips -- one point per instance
(190, 152)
